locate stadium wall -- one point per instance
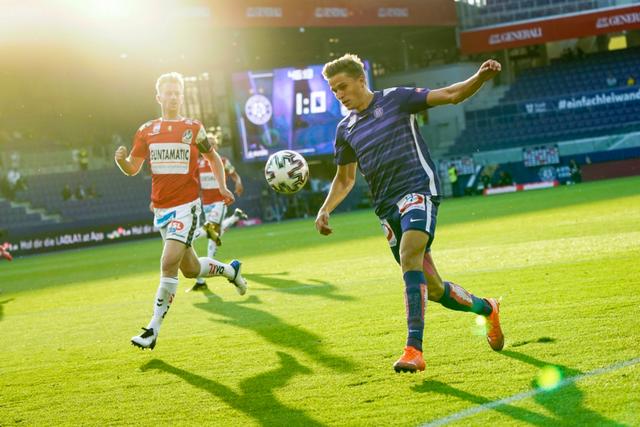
(594, 165)
(598, 146)
(615, 169)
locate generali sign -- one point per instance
(551, 29)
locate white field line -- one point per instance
(520, 396)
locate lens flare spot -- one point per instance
(549, 377)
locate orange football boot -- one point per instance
(411, 361)
(495, 337)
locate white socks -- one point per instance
(164, 298)
(228, 222)
(210, 267)
(212, 248)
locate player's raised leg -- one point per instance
(412, 247)
(171, 258)
(192, 267)
(455, 297)
(237, 215)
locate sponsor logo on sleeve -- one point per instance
(202, 134)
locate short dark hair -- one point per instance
(348, 63)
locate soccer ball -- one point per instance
(286, 171)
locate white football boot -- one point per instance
(238, 281)
(147, 339)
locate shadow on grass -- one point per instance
(312, 288)
(256, 396)
(2, 303)
(565, 403)
(242, 315)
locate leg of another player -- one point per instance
(193, 267)
(230, 221)
(212, 230)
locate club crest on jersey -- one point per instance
(378, 112)
(187, 136)
(388, 232)
(410, 202)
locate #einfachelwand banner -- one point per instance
(591, 99)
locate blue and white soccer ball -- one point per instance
(286, 171)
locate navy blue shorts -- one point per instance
(414, 212)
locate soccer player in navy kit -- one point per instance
(381, 137)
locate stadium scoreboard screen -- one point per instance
(285, 109)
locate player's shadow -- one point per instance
(2, 303)
(521, 414)
(565, 403)
(271, 328)
(256, 395)
(313, 287)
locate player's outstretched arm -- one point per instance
(460, 91)
(128, 165)
(218, 171)
(238, 183)
(341, 186)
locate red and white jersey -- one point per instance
(172, 148)
(208, 183)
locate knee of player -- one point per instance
(411, 259)
(169, 267)
(190, 273)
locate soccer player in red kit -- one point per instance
(214, 207)
(172, 144)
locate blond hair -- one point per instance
(172, 77)
(348, 63)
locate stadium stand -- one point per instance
(18, 216)
(504, 11)
(532, 110)
(117, 198)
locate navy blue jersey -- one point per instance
(385, 141)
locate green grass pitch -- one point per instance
(313, 341)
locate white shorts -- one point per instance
(215, 212)
(178, 223)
